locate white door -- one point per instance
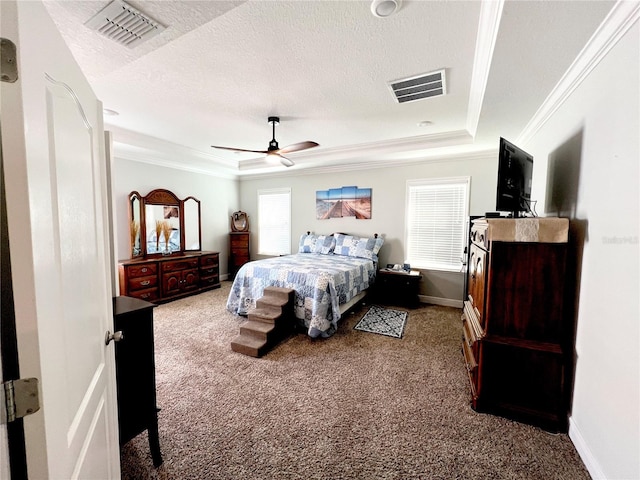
(55, 172)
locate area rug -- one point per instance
(383, 321)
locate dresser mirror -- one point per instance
(167, 224)
(191, 214)
(135, 209)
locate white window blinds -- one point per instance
(274, 222)
(437, 211)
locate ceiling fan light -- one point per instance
(272, 158)
(384, 8)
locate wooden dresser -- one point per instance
(238, 251)
(517, 328)
(161, 279)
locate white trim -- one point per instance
(585, 452)
(445, 302)
(619, 20)
(488, 26)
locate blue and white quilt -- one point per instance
(321, 283)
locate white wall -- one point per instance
(586, 167)
(387, 210)
(219, 198)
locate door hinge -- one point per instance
(20, 399)
(8, 61)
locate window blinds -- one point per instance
(436, 220)
(274, 222)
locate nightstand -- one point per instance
(397, 288)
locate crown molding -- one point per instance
(488, 26)
(623, 15)
(138, 147)
(395, 147)
(482, 154)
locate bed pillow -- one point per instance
(324, 244)
(368, 248)
(362, 247)
(307, 243)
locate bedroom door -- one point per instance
(56, 177)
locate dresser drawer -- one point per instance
(138, 283)
(209, 281)
(149, 294)
(177, 265)
(143, 270)
(209, 260)
(208, 272)
(239, 241)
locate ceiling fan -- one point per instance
(273, 149)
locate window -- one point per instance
(274, 221)
(437, 211)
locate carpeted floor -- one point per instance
(354, 406)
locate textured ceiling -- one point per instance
(221, 68)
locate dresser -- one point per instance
(135, 372)
(162, 279)
(517, 330)
(238, 251)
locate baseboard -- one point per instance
(445, 302)
(585, 452)
(224, 276)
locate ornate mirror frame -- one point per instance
(166, 224)
(135, 222)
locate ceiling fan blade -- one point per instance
(295, 147)
(286, 161)
(240, 149)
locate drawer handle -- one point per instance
(144, 270)
(145, 283)
(145, 295)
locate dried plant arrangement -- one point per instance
(158, 232)
(166, 229)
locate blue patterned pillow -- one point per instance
(324, 244)
(368, 248)
(307, 243)
(358, 247)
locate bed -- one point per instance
(330, 274)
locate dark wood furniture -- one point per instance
(135, 372)
(397, 288)
(238, 251)
(161, 279)
(517, 334)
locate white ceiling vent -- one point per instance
(124, 24)
(418, 87)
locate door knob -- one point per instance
(116, 337)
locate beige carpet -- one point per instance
(355, 406)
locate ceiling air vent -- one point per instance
(418, 87)
(124, 24)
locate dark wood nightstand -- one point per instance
(136, 372)
(397, 288)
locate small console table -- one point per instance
(136, 372)
(398, 288)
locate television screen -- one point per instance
(515, 169)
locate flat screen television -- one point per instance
(515, 169)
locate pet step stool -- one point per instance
(267, 324)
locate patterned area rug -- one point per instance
(383, 321)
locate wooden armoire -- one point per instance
(517, 325)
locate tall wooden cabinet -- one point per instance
(517, 330)
(238, 251)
